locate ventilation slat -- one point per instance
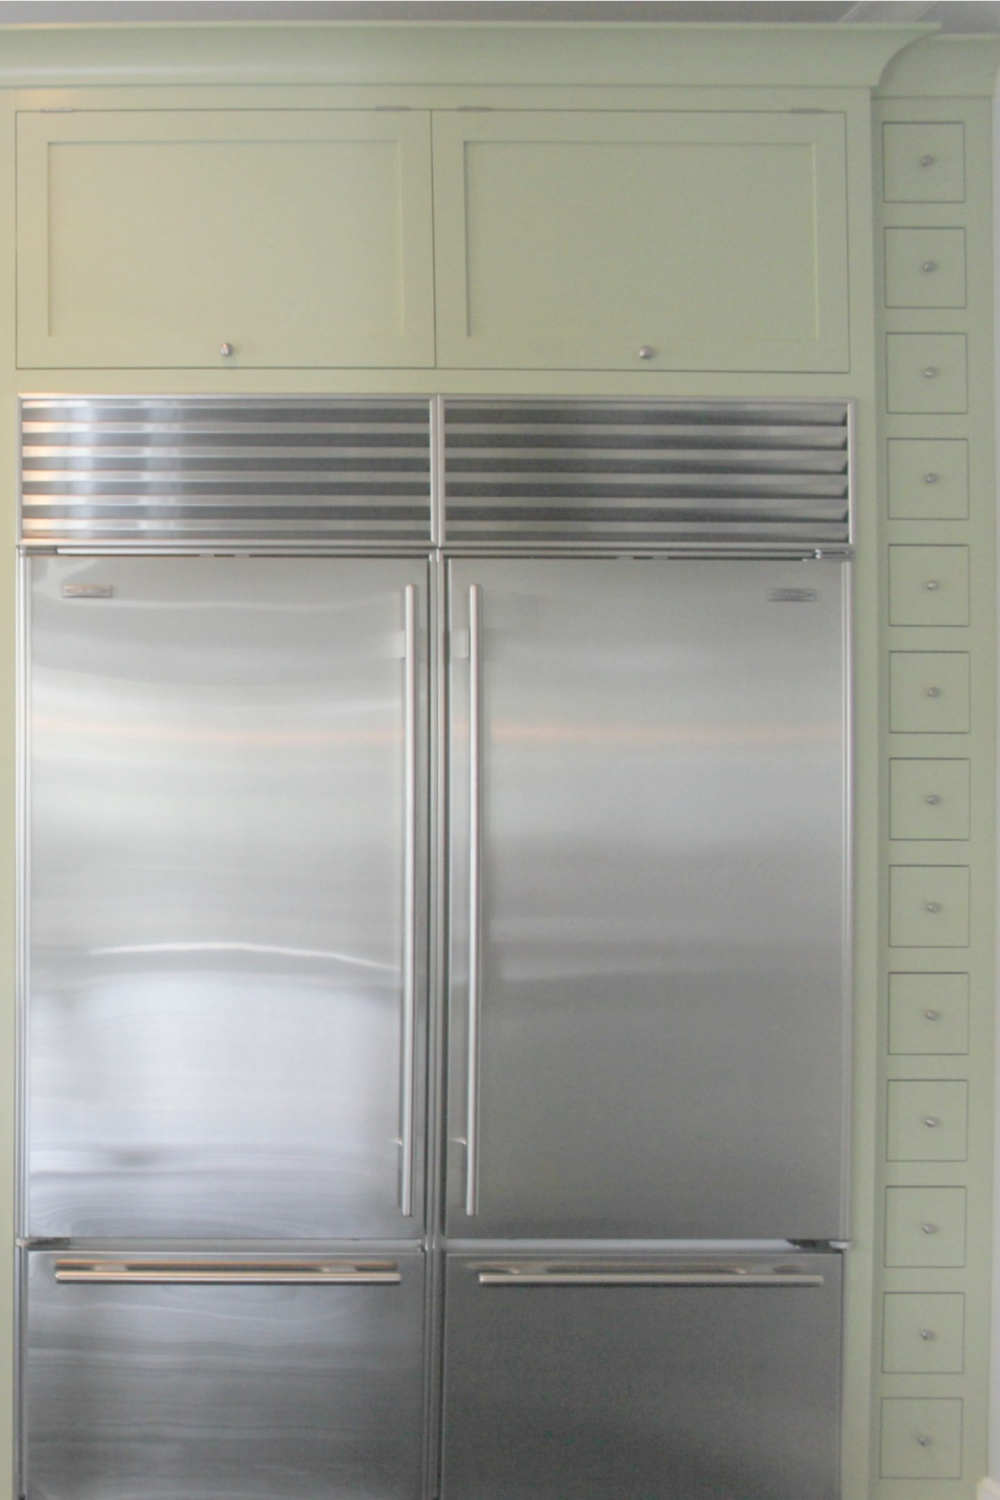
(281, 470)
(618, 472)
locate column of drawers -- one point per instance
(938, 557)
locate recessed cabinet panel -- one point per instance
(928, 479)
(925, 1226)
(929, 1013)
(921, 1439)
(928, 585)
(641, 241)
(929, 692)
(927, 1120)
(926, 372)
(164, 239)
(929, 906)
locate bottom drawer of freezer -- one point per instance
(639, 1379)
(223, 1378)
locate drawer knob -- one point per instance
(931, 372)
(646, 352)
(932, 1015)
(926, 1334)
(929, 265)
(932, 906)
(929, 1228)
(933, 692)
(927, 161)
(924, 1442)
(932, 584)
(227, 350)
(931, 1121)
(932, 799)
(931, 478)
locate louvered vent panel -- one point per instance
(183, 471)
(523, 473)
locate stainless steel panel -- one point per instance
(662, 1017)
(697, 1391)
(226, 959)
(207, 1392)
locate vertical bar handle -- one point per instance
(407, 1092)
(475, 902)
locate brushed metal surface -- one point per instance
(220, 900)
(703, 1392)
(662, 1013)
(208, 1392)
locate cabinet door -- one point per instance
(648, 899)
(224, 958)
(641, 241)
(155, 238)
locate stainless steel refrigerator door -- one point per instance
(184, 1389)
(225, 865)
(713, 1379)
(649, 894)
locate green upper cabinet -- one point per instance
(665, 241)
(159, 238)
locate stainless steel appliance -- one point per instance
(434, 960)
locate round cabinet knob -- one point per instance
(924, 1442)
(932, 585)
(931, 372)
(646, 352)
(929, 265)
(931, 1015)
(932, 906)
(933, 692)
(931, 1121)
(931, 478)
(929, 1228)
(227, 350)
(927, 161)
(932, 799)
(926, 1334)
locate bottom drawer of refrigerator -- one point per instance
(708, 1379)
(213, 1377)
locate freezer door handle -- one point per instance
(192, 1273)
(518, 1276)
(407, 1093)
(475, 903)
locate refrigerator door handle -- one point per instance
(407, 1097)
(192, 1273)
(475, 902)
(523, 1276)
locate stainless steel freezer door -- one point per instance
(226, 787)
(714, 1379)
(185, 1390)
(649, 894)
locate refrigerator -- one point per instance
(435, 962)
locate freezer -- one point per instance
(698, 1377)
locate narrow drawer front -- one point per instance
(927, 372)
(923, 1333)
(921, 1439)
(927, 1120)
(929, 799)
(925, 267)
(929, 1014)
(929, 692)
(929, 906)
(928, 585)
(925, 1226)
(928, 479)
(923, 163)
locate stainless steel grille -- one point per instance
(653, 472)
(164, 472)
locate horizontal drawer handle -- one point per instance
(191, 1273)
(515, 1277)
